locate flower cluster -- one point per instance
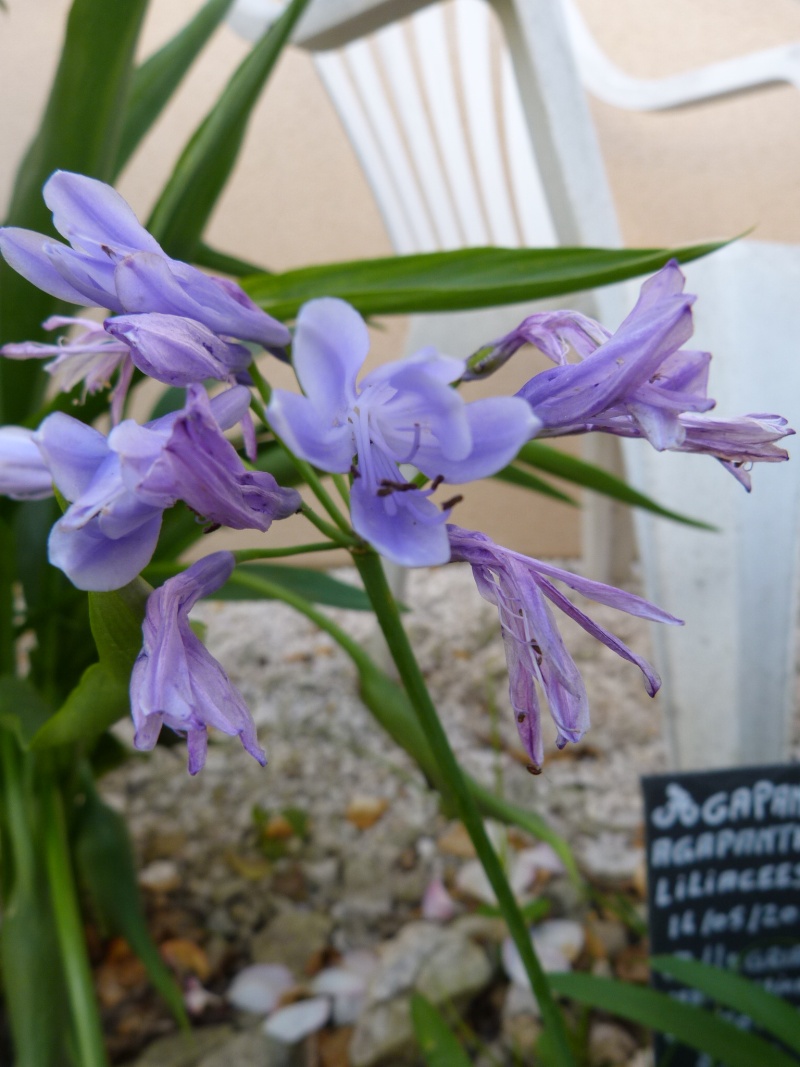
(399, 433)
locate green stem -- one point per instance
(340, 482)
(385, 607)
(80, 988)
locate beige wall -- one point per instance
(298, 195)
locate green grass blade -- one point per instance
(688, 1024)
(189, 197)
(439, 1045)
(458, 280)
(767, 1011)
(515, 475)
(158, 77)
(79, 131)
(222, 263)
(572, 469)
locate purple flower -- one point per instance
(91, 357)
(114, 263)
(535, 653)
(23, 473)
(640, 372)
(177, 351)
(404, 412)
(175, 681)
(119, 486)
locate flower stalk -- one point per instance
(386, 611)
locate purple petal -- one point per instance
(72, 451)
(147, 282)
(299, 425)
(330, 345)
(406, 528)
(23, 472)
(175, 350)
(24, 251)
(94, 217)
(92, 561)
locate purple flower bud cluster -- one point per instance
(399, 432)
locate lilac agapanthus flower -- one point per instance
(521, 587)
(176, 682)
(403, 412)
(120, 485)
(113, 262)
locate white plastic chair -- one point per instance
(536, 177)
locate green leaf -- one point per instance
(572, 469)
(454, 281)
(105, 864)
(515, 475)
(316, 586)
(189, 197)
(440, 1047)
(34, 990)
(97, 702)
(688, 1024)
(767, 1011)
(79, 131)
(116, 619)
(22, 709)
(222, 263)
(158, 77)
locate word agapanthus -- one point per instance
(403, 412)
(520, 588)
(176, 682)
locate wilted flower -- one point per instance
(176, 682)
(404, 412)
(114, 263)
(535, 653)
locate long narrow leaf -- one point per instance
(688, 1024)
(458, 280)
(189, 197)
(572, 469)
(767, 1011)
(222, 263)
(158, 77)
(439, 1045)
(80, 131)
(515, 475)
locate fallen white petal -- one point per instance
(563, 936)
(260, 987)
(347, 990)
(291, 1024)
(437, 904)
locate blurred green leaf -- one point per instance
(454, 281)
(96, 703)
(767, 1011)
(316, 586)
(116, 619)
(515, 475)
(690, 1025)
(533, 912)
(572, 469)
(34, 991)
(440, 1046)
(105, 864)
(155, 81)
(22, 709)
(186, 202)
(79, 131)
(222, 263)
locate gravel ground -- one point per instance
(218, 861)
